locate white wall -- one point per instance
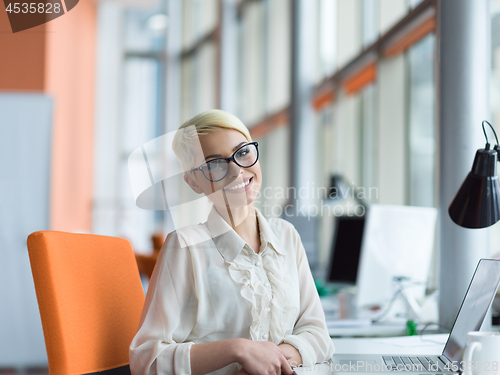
(25, 145)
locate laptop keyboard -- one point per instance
(413, 364)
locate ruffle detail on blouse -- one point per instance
(282, 313)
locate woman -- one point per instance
(234, 294)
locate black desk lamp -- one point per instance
(340, 189)
(476, 204)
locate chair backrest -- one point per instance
(157, 239)
(146, 263)
(90, 299)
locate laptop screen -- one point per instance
(474, 307)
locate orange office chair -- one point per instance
(90, 299)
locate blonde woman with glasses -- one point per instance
(233, 295)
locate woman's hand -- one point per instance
(295, 358)
(263, 358)
(242, 372)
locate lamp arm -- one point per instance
(485, 136)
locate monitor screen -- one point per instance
(397, 244)
(346, 250)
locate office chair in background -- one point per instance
(146, 262)
(90, 298)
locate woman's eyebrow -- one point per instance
(219, 155)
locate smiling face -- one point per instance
(240, 186)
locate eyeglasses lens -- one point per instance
(246, 156)
(216, 170)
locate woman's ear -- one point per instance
(192, 183)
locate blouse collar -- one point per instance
(230, 244)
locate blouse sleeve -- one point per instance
(310, 334)
(159, 346)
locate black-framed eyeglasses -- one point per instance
(217, 169)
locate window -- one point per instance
(251, 63)
(327, 39)
(421, 123)
(130, 114)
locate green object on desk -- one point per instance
(411, 328)
(322, 289)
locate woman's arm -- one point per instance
(161, 345)
(212, 356)
(256, 357)
(310, 334)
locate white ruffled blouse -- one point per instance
(219, 288)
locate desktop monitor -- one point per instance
(345, 250)
(397, 242)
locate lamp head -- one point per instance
(477, 202)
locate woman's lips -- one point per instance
(242, 186)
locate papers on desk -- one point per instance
(337, 323)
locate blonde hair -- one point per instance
(202, 124)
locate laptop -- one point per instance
(477, 301)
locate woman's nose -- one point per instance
(234, 169)
(232, 174)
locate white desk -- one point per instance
(383, 329)
(427, 344)
(360, 328)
